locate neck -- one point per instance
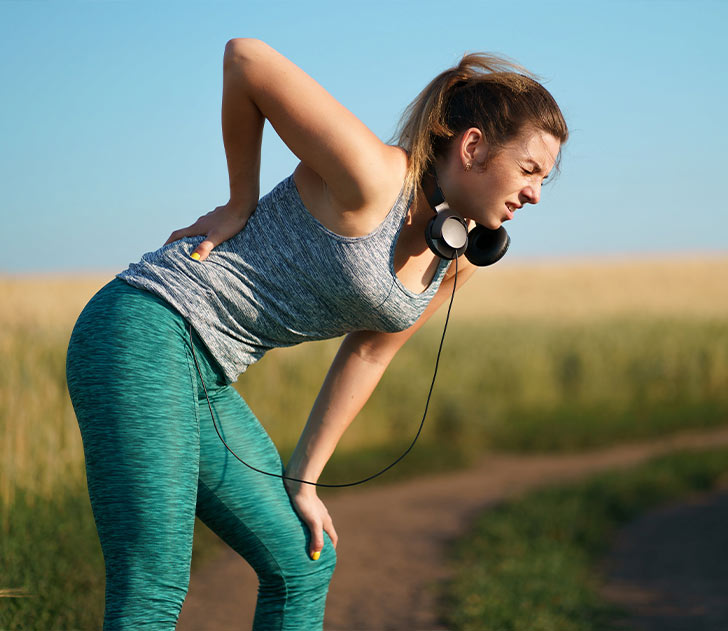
(431, 189)
(411, 238)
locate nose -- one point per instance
(531, 194)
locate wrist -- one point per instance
(299, 489)
(244, 189)
(240, 207)
(299, 473)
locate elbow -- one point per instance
(237, 44)
(372, 348)
(240, 49)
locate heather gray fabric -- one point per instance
(285, 279)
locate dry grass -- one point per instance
(41, 444)
(47, 302)
(581, 290)
(693, 287)
(40, 440)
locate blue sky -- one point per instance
(110, 114)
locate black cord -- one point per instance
(285, 477)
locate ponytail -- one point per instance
(497, 96)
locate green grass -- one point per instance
(523, 385)
(529, 564)
(52, 554)
(53, 567)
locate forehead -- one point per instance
(536, 145)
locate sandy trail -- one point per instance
(393, 540)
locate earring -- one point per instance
(468, 166)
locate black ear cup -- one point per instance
(448, 237)
(485, 246)
(447, 234)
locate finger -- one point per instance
(203, 249)
(317, 540)
(329, 528)
(180, 234)
(172, 238)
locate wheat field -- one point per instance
(41, 446)
(584, 290)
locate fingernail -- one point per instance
(315, 555)
(195, 256)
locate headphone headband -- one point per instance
(447, 232)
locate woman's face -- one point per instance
(512, 178)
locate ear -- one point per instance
(473, 147)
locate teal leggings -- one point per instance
(153, 461)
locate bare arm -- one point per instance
(242, 134)
(318, 129)
(258, 84)
(354, 374)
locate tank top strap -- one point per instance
(394, 222)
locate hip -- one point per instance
(125, 328)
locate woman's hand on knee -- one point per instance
(217, 226)
(315, 515)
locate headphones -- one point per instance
(448, 237)
(447, 232)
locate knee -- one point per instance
(326, 563)
(312, 576)
(143, 603)
(304, 576)
(294, 597)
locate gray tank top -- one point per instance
(285, 279)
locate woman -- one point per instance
(337, 248)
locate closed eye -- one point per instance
(535, 170)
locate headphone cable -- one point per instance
(371, 477)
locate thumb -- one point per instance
(202, 251)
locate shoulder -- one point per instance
(381, 180)
(327, 137)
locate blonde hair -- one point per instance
(493, 94)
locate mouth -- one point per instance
(510, 210)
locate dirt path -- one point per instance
(392, 540)
(685, 589)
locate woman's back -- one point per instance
(285, 279)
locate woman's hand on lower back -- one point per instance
(314, 514)
(217, 226)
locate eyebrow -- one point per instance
(537, 167)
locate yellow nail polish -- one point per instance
(315, 556)
(195, 256)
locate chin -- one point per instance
(493, 224)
